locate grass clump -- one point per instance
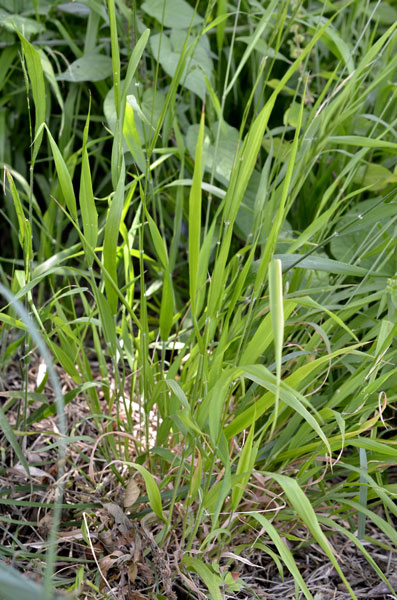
(199, 225)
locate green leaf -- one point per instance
(385, 12)
(317, 225)
(179, 393)
(279, 148)
(320, 263)
(203, 261)
(66, 361)
(218, 159)
(380, 523)
(28, 26)
(374, 175)
(86, 197)
(263, 48)
(306, 512)
(77, 9)
(248, 156)
(116, 66)
(290, 396)
(90, 67)
(177, 14)
(212, 405)
(359, 227)
(361, 141)
(284, 552)
(335, 43)
(263, 336)
(133, 64)
(259, 29)
(277, 317)
(152, 490)
(10, 435)
(167, 298)
(195, 218)
(308, 301)
(112, 229)
(50, 76)
(14, 586)
(292, 382)
(168, 49)
(244, 468)
(214, 402)
(159, 243)
(211, 579)
(133, 102)
(363, 492)
(107, 320)
(291, 117)
(132, 139)
(65, 180)
(36, 76)
(282, 200)
(24, 236)
(195, 481)
(167, 306)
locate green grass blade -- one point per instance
(65, 180)
(335, 43)
(24, 233)
(306, 512)
(152, 491)
(195, 218)
(281, 211)
(112, 229)
(241, 175)
(211, 579)
(244, 468)
(167, 307)
(107, 320)
(285, 553)
(334, 525)
(36, 76)
(114, 41)
(257, 409)
(10, 436)
(221, 16)
(159, 243)
(321, 263)
(363, 492)
(202, 274)
(259, 29)
(167, 298)
(382, 524)
(133, 64)
(277, 316)
(307, 301)
(131, 136)
(86, 197)
(361, 141)
(263, 336)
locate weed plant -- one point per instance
(198, 223)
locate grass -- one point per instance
(198, 280)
